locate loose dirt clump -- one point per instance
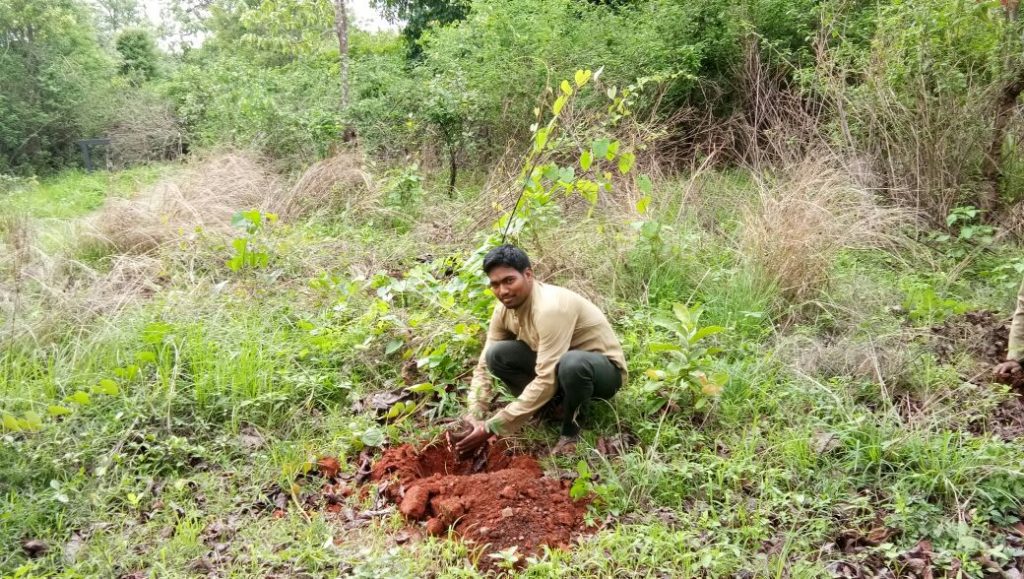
(495, 499)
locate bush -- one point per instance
(921, 91)
(54, 73)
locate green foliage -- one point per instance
(74, 193)
(55, 76)
(924, 302)
(917, 80)
(420, 15)
(682, 380)
(139, 58)
(249, 253)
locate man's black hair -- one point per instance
(506, 255)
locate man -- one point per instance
(1011, 368)
(543, 340)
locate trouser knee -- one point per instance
(575, 371)
(510, 355)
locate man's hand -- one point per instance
(1007, 368)
(473, 439)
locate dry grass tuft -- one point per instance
(802, 219)
(333, 184)
(205, 197)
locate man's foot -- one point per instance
(566, 446)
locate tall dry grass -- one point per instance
(338, 183)
(804, 215)
(203, 198)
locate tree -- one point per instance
(138, 55)
(341, 29)
(55, 77)
(419, 15)
(117, 15)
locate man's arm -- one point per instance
(480, 392)
(1015, 349)
(555, 332)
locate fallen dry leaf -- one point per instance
(876, 536)
(1017, 529)
(328, 466)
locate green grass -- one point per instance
(230, 383)
(75, 193)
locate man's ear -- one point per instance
(528, 273)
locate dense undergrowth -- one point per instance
(146, 438)
(802, 220)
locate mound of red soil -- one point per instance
(495, 499)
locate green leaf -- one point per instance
(682, 313)
(240, 244)
(559, 104)
(586, 159)
(421, 388)
(611, 92)
(566, 88)
(641, 205)
(600, 148)
(106, 386)
(393, 346)
(540, 139)
(626, 161)
(581, 77)
(80, 398)
(583, 469)
(644, 183)
(54, 410)
(655, 374)
(613, 149)
(588, 190)
(567, 175)
(155, 332)
(145, 357)
(32, 421)
(11, 423)
(705, 332)
(658, 347)
(373, 437)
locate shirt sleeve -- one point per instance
(1016, 345)
(554, 330)
(480, 392)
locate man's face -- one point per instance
(511, 287)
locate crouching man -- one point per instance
(544, 343)
(1010, 370)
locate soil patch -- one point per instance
(983, 334)
(495, 498)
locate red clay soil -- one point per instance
(495, 499)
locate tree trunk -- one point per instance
(341, 28)
(453, 170)
(992, 166)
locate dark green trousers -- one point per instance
(581, 376)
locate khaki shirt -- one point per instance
(1015, 351)
(552, 321)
